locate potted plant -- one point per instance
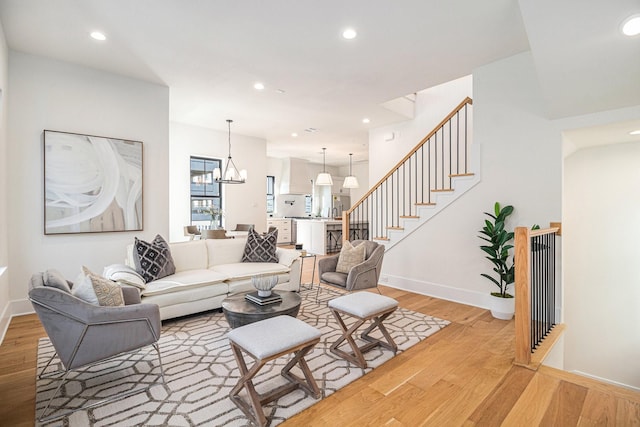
(498, 252)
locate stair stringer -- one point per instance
(460, 186)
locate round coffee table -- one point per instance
(239, 311)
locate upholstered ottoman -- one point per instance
(266, 340)
(363, 306)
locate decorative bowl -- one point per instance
(264, 284)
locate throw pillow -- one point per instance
(107, 292)
(260, 248)
(55, 279)
(153, 260)
(350, 256)
(83, 289)
(124, 274)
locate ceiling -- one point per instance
(211, 52)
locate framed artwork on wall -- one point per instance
(92, 184)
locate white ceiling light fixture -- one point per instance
(635, 132)
(295, 135)
(631, 26)
(97, 35)
(349, 33)
(350, 181)
(366, 120)
(258, 86)
(230, 174)
(324, 178)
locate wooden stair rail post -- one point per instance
(522, 260)
(345, 226)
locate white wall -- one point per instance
(432, 105)
(47, 94)
(443, 258)
(243, 203)
(4, 226)
(601, 253)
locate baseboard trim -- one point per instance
(605, 380)
(437, 290)
(13, 308)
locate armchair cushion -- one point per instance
(153, 260)
(260, 248)
(350, 256)
(83, 289)
(55, 279)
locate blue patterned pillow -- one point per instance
(260, 248)
(153, 260)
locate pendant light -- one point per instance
(350, 181)
(231, 175)
(323, 177)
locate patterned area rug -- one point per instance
(200, 371)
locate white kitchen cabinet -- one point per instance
(284, 229)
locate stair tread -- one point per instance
(425, 204)
(395, 228)
(380, 238)
(458, 175)
(442, 190)
(409, 217)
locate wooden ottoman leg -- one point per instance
(355, 356)
(309, 383)
(377, 322)
(253, 411)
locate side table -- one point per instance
(308, 286)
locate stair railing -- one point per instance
(428, 168)
(536, 290)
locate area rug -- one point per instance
(200, 370)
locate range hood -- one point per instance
(295, 177)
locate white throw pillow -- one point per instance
(83, 289)
(124, 274)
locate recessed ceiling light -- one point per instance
(349, 34)
(635, 132)
(294, 135)
(279, 90)
(311, 130)
(97, 35)
(631, 26)
(365, 120)
(258, 86)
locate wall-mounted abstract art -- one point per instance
(92, 184)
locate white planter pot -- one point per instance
(503, 308)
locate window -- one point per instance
(271, 198)
(206, 195)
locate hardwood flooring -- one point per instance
(461, 376)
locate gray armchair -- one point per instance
(362, 276)
(83, 334)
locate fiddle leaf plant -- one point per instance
(498, 249)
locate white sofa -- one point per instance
(207, 271)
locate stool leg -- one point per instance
(356, 355)
(309, 385)
(254, 411)
(377, 323)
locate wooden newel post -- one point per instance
(345, 226)
(522, 262)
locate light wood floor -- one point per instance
(461, 376)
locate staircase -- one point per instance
(429, 178)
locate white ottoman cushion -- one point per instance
(273, 335)
(363, 304)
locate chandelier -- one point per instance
(230, 175)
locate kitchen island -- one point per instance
(324, 236)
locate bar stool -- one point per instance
(266, 340)
(363, 306)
